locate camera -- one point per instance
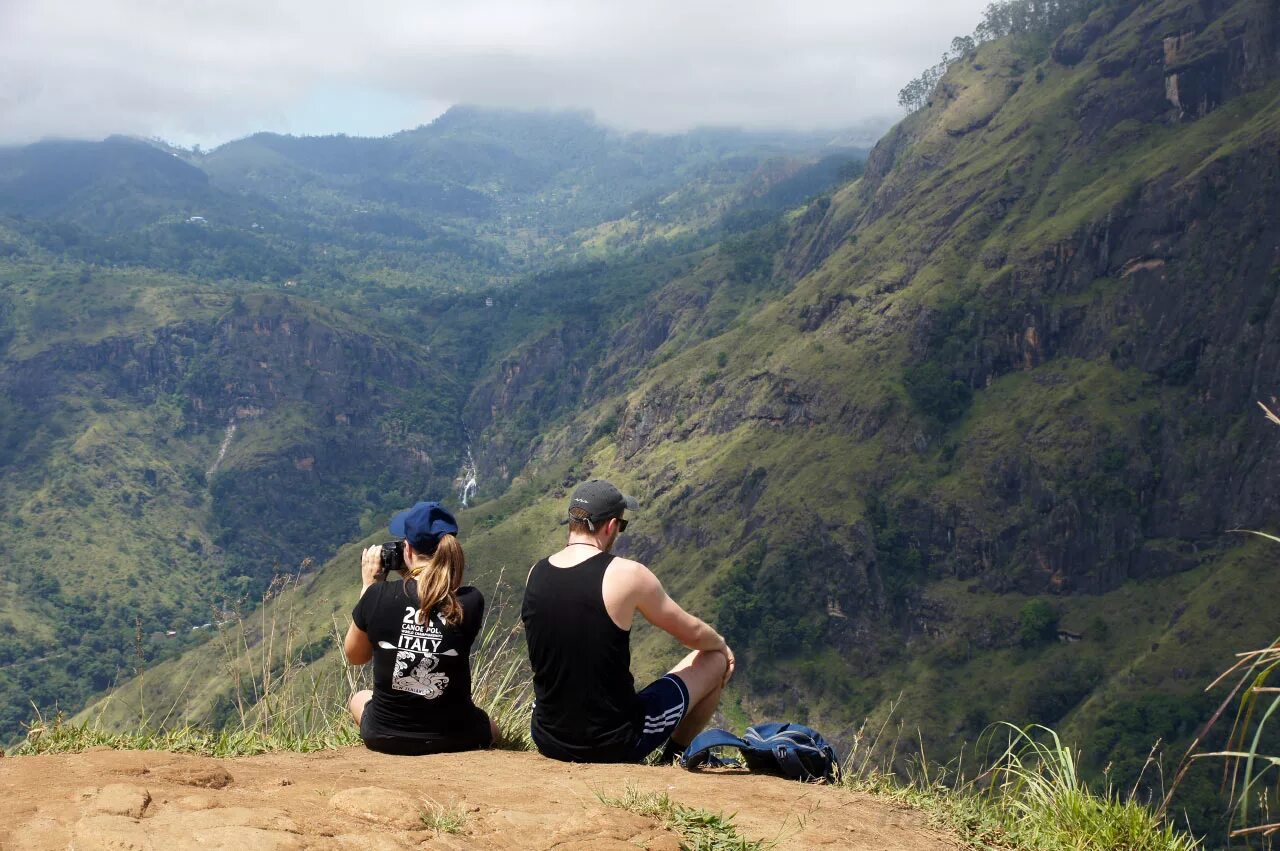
(391, 557)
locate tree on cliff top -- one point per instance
(1045, 18)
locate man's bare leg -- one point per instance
(702, 673)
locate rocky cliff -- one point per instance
(1018, 359)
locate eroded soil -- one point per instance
(355, 799)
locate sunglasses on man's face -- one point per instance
(622, 524)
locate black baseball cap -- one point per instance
(597, 500)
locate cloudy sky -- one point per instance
(206, 72)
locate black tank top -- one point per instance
(585, 706)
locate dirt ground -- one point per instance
(355, 799)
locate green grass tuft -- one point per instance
(1041, 802)
(699, 830)
(1030, 797)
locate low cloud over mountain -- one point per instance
(209, 72)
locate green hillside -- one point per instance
(965, 436)
(959, 436)
(207, 381)
(159, 469)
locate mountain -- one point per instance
(156, 472)
(475, 199)
(205, 387)
(963, 439)
(88, 181)
(1012, 371)
(546, 173)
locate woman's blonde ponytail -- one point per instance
(438, 578)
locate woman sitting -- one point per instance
(418, 633)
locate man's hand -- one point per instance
(728, 671)
(370, 566)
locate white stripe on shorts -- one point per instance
(662, 716)
(658, 723)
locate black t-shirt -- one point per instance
(421, 672)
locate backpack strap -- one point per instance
(766, 731)
(789, 761)
(698, 752)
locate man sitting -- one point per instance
(578, 607)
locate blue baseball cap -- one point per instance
(423, 525)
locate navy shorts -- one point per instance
(664, 703)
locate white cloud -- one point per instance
(218, 69)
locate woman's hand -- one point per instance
(370, 566)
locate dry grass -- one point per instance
(283, 701)
(501, 683)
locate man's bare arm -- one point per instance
(659, 609)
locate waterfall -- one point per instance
(222, 450)
(468, 478)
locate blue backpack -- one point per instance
(789, 750)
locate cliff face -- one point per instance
(1166, 279)
(262, 360)
(1061, 222)
(1020, 356)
